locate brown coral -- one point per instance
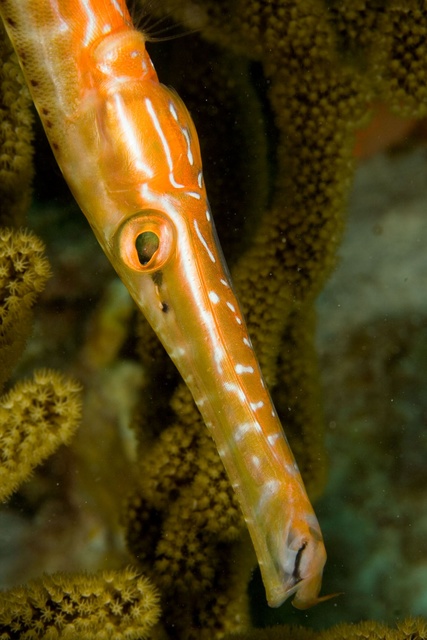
(23, 273)
(112, 604)
(409, 629)
(36, 416)
(333, 54)
(16, 151)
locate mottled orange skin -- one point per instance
(129, 151)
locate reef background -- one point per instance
(371, 339)
(373, 346)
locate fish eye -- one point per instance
(146, 244)
(145, 241)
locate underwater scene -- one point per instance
(117, 517)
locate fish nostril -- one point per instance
(146, 244)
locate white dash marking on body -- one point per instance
(238, 320)
(200, 179)
(194, 194)
(92, 22)
(203, 241)
(219, 356)
(174, 183)
(256, 405)
(292, 470)
(231, 306)
(229, 386)
(269, 489)
(240, 368)
(128, 133)
(208, 215)
(178, 352)
(160, 132)
(213, 297)
(117, 7)
(247, 342)
(272, 439)
(187, 140)
(222, 281)
(173, 111)
(242, 430)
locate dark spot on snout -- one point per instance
(157, 278)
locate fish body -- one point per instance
(129, 151)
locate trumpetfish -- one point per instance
(129, 151)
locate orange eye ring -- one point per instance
(146, 241)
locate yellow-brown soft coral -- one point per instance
(23, 273)
(120, 605)
(323, 64)
(36, 416)
(409, 629)
(16, 151)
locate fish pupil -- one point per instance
(146, 244)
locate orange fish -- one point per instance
(129, 151)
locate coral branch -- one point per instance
(120, 605)
(23, 273)
(36, 417)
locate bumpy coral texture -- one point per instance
(16, 151)
(116, 605)
(409, 629)
(36, 416)
(320, 65)
(23, 273)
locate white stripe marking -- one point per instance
(187, 140)
(174, 183)
(203, 241)
(173, 111)
(159, 130)
(229, 386)
(240, 368)
(92, 22)
(117, 7)
(242, 430)
(213, 297)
